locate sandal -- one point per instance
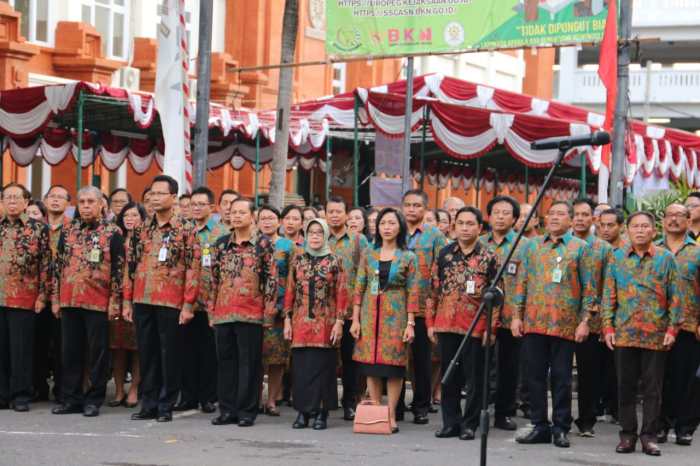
(272, 411)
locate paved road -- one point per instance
(40, 438)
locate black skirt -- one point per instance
(382, 370)
(315, 384)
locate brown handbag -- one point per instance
(372, 418)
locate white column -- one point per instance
(121, 174)
(568, 64)
(45, 177)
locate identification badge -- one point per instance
(94, 256)
(471, 286)
(374, 288)
(512, 268)
(206, 260)
(163, 254)
(557, 276)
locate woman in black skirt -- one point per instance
(314, 301)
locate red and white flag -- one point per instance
(607, 71)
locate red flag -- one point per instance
(607, 71)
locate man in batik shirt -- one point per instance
(242, 300)
(347, 246)
(87, 292)
(641, 318)
(680, 397)
(24, 276)
(554, 302)
(162, 283)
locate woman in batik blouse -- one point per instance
(314, 303)
(385, 302)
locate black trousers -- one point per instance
(608, 397)
(47, 353)
(469, 374)
(589, 364)
(508, 364)
(199, 361)
(422, 369)
(16, 354)
(239, 359)
(633, 365)
(160, 345)
(554, 356)
(350, 376)
(86, 349)
(680, 403)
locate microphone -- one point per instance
(598, 138)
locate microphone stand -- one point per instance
(492, 297)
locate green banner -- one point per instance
(402, 27)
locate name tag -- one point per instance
(471, 287)
(557, 276)
(95, 256)
(374, 287)
(206, 260)
(512, 268)
(163, 254)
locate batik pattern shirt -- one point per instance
(25, 258)
(514, 267)
(349, 247)
(284, 251)
(164, 265)
(207, 236)
(641, 302)
(89, 267)
(459, 282)
(426, 242)
(315, 299)
(600, 253)
(244, 281)
(384, 311)
(554, 292)
(688, 263)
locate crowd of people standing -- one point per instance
(190, 301)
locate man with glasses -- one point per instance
(199, 373)
(24, 276)
(693, 205)
(162, 284)
(119, 198)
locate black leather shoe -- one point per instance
(21, 407)
(662, 436)
(144, 415)
(208, 407)
(348, 414)
(164, 417)
(684, 439)
(535, 436)
(421, 419)
(651, 449)
(224, 419)
(447, 432)
(321, 421)
(467, 434)
(91, 411)
(67, 409)
(505, 423)
(245, 422)
(561, 440)
(184, 406)
(626, 445)
(301, 422)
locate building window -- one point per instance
(37, 16)
(109, 17)
(338, 81)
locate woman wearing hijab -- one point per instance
(314, 302)
(385, 303)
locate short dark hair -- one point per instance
(646, 213)
(172, 184)
(569, 208)
(228, 191)
(269, 208)
(513, 203)
(619, 215)
(185, 196)
(39, 205)
(146, 190)
(472, 210)
(319, 207)
(585, 200)
(250, 202)
(338, 200)
(117, 191)
(129, 206)
(416, 192)
(55, 186)
(365, 230)
(403, 229)
(203, 190)
(25, 192)
(289, 208)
